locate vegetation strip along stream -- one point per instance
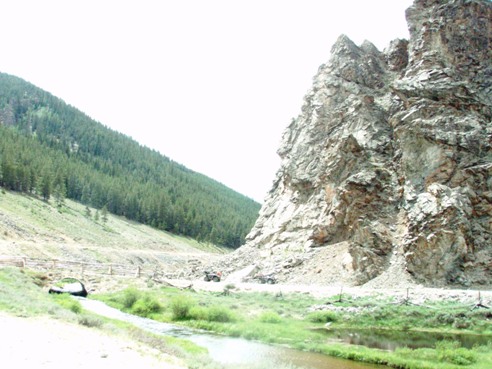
(299, 321)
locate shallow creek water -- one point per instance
(228, 350)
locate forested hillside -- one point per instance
(52, 150)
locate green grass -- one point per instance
(252, 316)
(427, 358)
(68, 303)
(21, 295)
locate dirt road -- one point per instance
(415, 293)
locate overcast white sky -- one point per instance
(211, 84)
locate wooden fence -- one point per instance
(80, 268)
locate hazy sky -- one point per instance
(211, 84)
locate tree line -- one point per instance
(52, 150)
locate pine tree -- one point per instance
(45, 187)
(104, 214)
(59, 192)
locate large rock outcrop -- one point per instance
(386, 174)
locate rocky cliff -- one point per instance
(386, 173)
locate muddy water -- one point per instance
(230, 351)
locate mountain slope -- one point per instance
(51, 149)
(32, 228)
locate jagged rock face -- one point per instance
(386, 173)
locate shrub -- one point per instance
(180, 307)
(228, 288)
(146, 306)
(211, 314)
(381, 313)
(323, 316)
(270, 317)
(462, 323)
(445, 318)
(220, 314)
(453, 353)
(90, 321)
(198, 313)
(130, 297)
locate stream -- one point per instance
(228, 350)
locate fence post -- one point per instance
(110, 271)
(23, 262)
(138, 272)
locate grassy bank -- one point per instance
(300, 321)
